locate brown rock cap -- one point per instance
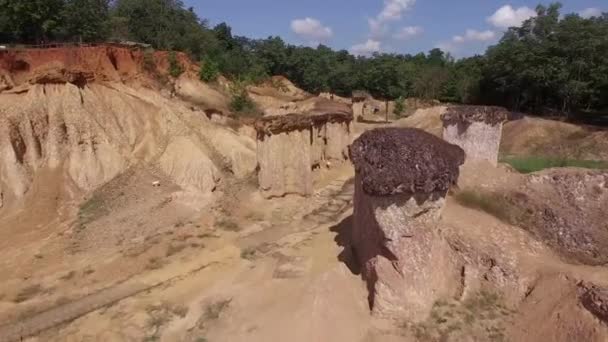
(291, 122)
(466, 115)
(405, 160)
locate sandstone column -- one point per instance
(402, 178)
(477, 129)
(284, 153)
(337, 140)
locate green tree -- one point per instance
(86, 19)
(31, 21)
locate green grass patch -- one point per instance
(508, 209)
(534, 164)
(91, 210)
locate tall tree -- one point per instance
(30, 21)
(86, 19)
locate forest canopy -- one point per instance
(550, 63)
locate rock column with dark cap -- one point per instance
(402, 178)
(477, 129)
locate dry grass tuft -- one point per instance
(480, 317)
(214, 310)
(249, 253)
(155, 263)
(174, 249)
(228, 224)
(28, 293)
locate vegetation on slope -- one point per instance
(534, 164)
(549, 62)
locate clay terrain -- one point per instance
(134, 206)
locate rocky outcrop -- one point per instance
(477, 129)
(290, 146)
(595, 300)
(402, 178)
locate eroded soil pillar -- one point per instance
(476, 129)
(402, 178)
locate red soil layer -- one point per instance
(98, 63)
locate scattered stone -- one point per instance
(402, 178)
(477, 129)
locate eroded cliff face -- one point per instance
(84, 64)
(94, 112)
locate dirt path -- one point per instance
(329, 204)
(68, 312)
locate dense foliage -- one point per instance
(549, 63)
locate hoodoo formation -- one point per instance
(402, 176)
(290, 146)
(477, 129)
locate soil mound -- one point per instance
(539, 137)
(427, 119)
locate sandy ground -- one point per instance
(274, 271)
(139, 263)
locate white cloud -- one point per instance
(408, 32)
(474, 35)
(590, 12)
(507, 16)
(471, 39)
(311, 30)
(377, 29)
(367, 48)
(380, 28)
(394, 9)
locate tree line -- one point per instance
(550, 62)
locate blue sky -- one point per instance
(463, 27)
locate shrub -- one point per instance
(210, 71)
(175, 68)
(240, 102)
(149, 64)
(399, 106)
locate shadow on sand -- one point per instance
(344, 239)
